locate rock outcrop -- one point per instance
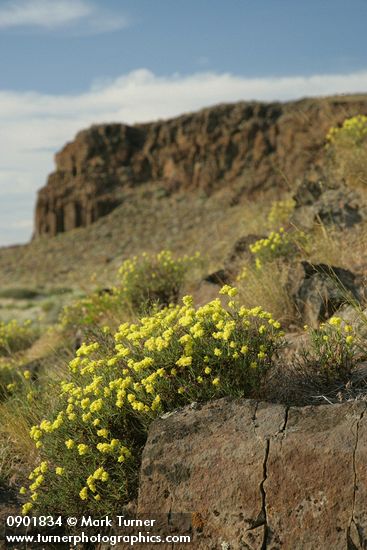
(260, 476)
(337, 205)
(319, 290)
(255, 146)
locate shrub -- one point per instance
(153, 279)
(91, 447)
(142, 283)
(9, 379)
(15, 336)
(333, 351)
(347, 147)
(278, 244)
(15, 378)
(281, 212)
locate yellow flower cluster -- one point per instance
(100, 474)
(341, 327)
(280, 212)
(277, 244)
(347, 146)
(153, 278)
(11, 378)
(353, 129)
(37, 478)
(177, 355)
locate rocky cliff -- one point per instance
(255, 145)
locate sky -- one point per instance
(66, 64)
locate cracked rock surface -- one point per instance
(260, 476)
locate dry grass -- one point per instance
(265, 287)
(348, 162)
(342, 248)
(18, 414)
(50, 354)
(17, 450)
(185, 223)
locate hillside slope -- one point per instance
(208, 180)
(184, 222)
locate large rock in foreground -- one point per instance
(260, 476)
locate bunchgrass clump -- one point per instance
(347, 148)
(90, 448)
(26, 403)
(267, 287)
(334, 350)
(15, 336)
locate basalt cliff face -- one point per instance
(253, 145)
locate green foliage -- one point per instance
(278, 244)
(352, 133)
(19, 293)
(143, 282)
(334, 350)
(90, 310)
(347, 148)
(91, 447)
(10, 378)
(15, 336)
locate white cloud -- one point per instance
(57, 14)
(34, 124)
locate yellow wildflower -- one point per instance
(84, 493)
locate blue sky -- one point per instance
(65, 64)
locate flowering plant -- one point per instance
(91, 448)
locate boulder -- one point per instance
(258, 475)
(241, 249)
(355, 316)
(320, 290)
(316, 202)
(219, 277)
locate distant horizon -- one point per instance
(182, 114)
(73, 63)
(52, 152)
